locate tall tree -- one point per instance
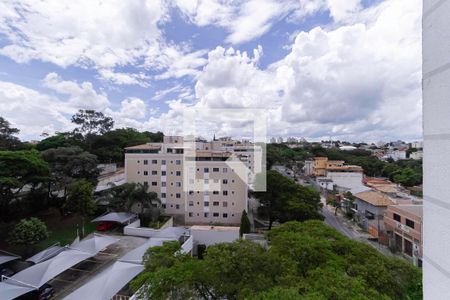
(68, 164)
(19, 169)
(92, 122)
(285, 200)
(28, 232)
(8, 140)
(245, 224)
(80, 199)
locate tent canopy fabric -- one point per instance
(105, 285)
(119, 217)
(48, 253)
(11, 291)
(38, 274)
(6, 258)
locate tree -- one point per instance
(285, 200)
(19, 169)
(68, 164)
(61, 139)
(80, 199)
(245, 224)
(28, 232)
(92, 122)
(8, 140)
(407, 177)
(125, 196)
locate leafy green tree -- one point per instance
(285, 200)
(19, 169)
(80, 199)
(92, 122)
(407, 177)
(8, 140)
(61, 139)
(125, 196)
(68, 164)
(245, 224)
(28, 232)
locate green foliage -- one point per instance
(125, 196)
(8, 140)
(407, 177)
(28, 232)
(80, 198)
(306, 260)
(62, 139)
(285, 200)
(17, 169)
(245, 224)
(92, 122)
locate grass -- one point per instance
(61, 229)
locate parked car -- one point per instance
(104, 226)
(6, 272)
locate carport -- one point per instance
(7, 257)
(37, 275)
(122, 218)
(46, 254)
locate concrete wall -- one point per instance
(134, 229)
(436, 120)
(349, 180)
(211, 237)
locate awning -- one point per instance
(46, 254)
(7, 258)
(119, 217)
(105, 285)
(38, 274)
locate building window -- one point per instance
(410, 223)
(397, 218)
(154, 183)
(216, 215)
(169, 150)
(216, 203)
(408, 247)
(215, 192)
(163, 162)
(154, 172)
(206, 193)
(206, 215)
(206, 203)
(225, 204)
(145, 183)
(191, 214)
(163, 195)
(154, 161)
(178, 162)
(145, 162)
(191, 203)
(225, 193)
(145, 173)
(225, 181)
(206, 181)
(163, 173)
(163, 205)
(215, 169)
(225, 215)
(163, 184)
(178, 184)
(206, 170)
(225, 170)
(178, 173)
(178, 195)
(191, 192)
(177, 206)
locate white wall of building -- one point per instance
(436, 117)
(210, 235)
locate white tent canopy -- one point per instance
(6, 258)
(38, 274)
(11, 291)
(119, 217)
(48, 253)
(105, 285)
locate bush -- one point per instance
(29, 232)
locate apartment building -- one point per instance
(322, 166)
(403, 224)
(198, 181)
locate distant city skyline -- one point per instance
(346, 69)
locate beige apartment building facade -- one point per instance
(198, 183)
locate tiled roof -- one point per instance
(374, 198)
(144, 147)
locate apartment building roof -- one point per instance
(144, 147)
(374, 198)
(215, 228)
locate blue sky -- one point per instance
(348, 69)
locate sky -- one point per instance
(345, 69)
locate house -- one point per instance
(369, 207)
(418, 155)
(403, 224)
